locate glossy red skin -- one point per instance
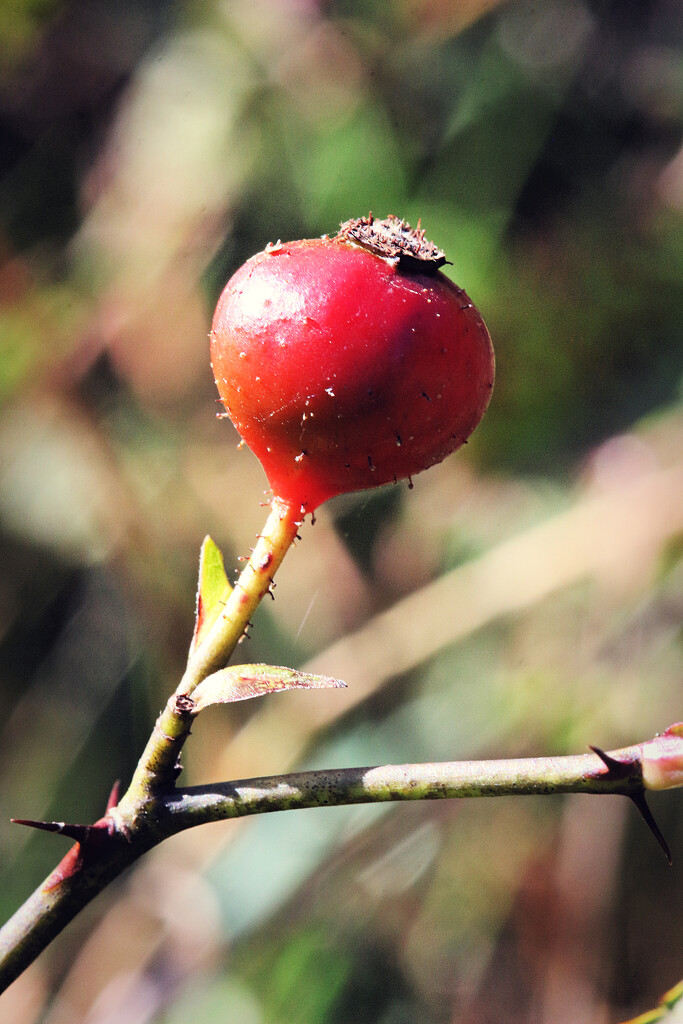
(342, 372)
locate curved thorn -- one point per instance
(617, 769)
(642, 805)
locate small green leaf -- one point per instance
(212, 592)
(241, 682)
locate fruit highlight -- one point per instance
(349, 362)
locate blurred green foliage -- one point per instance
(146, 150)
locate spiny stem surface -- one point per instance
(254, 583)
(158, 767)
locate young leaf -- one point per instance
(241, 682)
(213, 590)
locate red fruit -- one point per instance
(348, 362)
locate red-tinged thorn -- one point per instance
(647, 816)
(77, 832)
(114, 796)
(46, 826)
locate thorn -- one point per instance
(114, 796)
(628, 769)
(617, 769)
(246, 634)
(647, 816)
(47, 826)
(77, 832)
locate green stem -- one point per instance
(140, 820)
(254, 583)
(120, 839)
(158, 767)
(583, 773)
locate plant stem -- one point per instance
(254, 583)
(158, 768)
(56, 902)
(89, 867)
(583, 773)
(140, 819)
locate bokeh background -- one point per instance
(524, 598)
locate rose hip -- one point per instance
(348, 362)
